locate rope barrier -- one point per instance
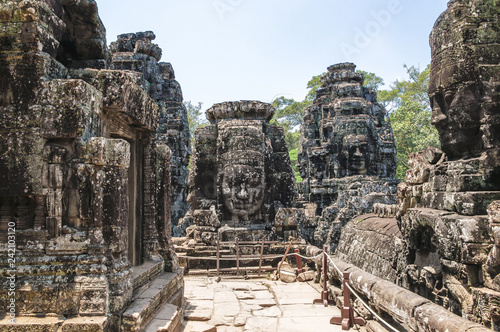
(371, 310)
(360, 299)
(333, 263)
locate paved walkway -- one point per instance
(254, 305)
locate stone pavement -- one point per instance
(235, 304)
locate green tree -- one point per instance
(313, 85)
(372, 81)
(195, 118)
(293, 159)
(410, 114)
(290, 115)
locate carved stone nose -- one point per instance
(243, 192)
(438, 119)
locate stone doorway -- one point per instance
(135, 220)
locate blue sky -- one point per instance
(224, 50)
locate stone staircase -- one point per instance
(157, 302)
(156, 306)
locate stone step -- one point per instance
(166, 288)
(199, 327)
(168, 319)
(145, 273)
(50, 324)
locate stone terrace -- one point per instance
(254, 305)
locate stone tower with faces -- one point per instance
(241, 172)
(347, 155)
(345, 133)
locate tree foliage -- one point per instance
(293, 159)
(195, 118)
(290, 115)
(372, 81)
(410, 114)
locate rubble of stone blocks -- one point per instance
(347, 157)
(241, 174)
(449, 201)
(82, 175)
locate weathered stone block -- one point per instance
(85, 324)
(68, 300)
(122, 93)
(71, 108)
(21, 163)
(93, 302)
(487, 305)
(206, 218)
(109, 152)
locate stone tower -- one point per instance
(241, 172)
(136, 52)
(347, 151)
(84, 186)
(448, 216)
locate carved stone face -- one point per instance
(464, 78)
(456, 115)
(243, 190)
(355, 150)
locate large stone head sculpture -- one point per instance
(243, 185)
(464, 84)
(247, 162)
(241, 171)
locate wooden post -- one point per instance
(298, 260)
(324, 294)
(218, 255)
(284, 257)
(261, 253)
(237, 257)
(347, 319)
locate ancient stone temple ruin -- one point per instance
(136, 52)
(240, 173)
(447, 218)
(347, 157)
(83, 180)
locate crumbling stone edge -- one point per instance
(411, 311)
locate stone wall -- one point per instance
(81, 176)
(375, 245)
